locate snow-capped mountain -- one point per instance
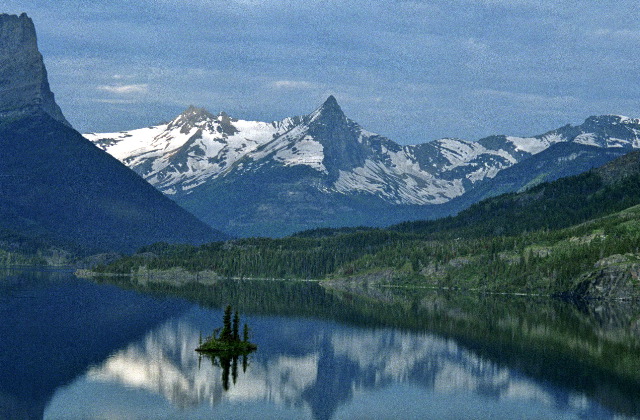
(184, 153)
(324, 164)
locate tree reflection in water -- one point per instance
(228, 363)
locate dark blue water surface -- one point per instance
(75, 349)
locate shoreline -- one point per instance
(179, 277)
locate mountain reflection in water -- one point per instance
(322, 353)
(320, 376)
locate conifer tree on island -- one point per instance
(229, 339)
(236, 323)
(226, 334)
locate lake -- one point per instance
(124, 349)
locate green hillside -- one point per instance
(577, 236)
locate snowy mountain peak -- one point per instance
(192, 117)
(301, 161)
(329, 111)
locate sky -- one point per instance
(413, 71)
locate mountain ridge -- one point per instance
(362, 177)
(576, 238)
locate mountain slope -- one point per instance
(323, 169)
(557, 161)
(61, 184)
(56, 185)
(577, 236)
(612, 187)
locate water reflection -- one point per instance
(589, 352)
(322, 353)
(343, 365)
(228, 363)
(53, 326)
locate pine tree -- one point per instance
(236, 324)
(225, 335)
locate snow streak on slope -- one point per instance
(294, 147)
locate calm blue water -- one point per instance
(72, 349)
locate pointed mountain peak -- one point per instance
(331, 105)
(328, 110)
(331, 102)
(25, 90)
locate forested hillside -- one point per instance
(545, 240)
(565, 202)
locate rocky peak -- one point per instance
(329, 112)
(331, 104)
(193, 114)
(226, 124)
(192, 117)
(24, 87)
(202, 119)
(17, 33)
(339, 138)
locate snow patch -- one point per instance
(588, 139)
(530, 145)
(305, 152)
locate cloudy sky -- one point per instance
(413, 71)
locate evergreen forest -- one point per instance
(545, 240)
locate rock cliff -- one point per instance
(24, 88)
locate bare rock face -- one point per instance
(616, 277)
(24, 88)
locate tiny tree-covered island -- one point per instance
(227, 339)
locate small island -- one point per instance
(228, 339)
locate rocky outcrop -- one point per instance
(24, 88)
(616, 277)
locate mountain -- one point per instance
(557, 161)
(323, 169)
(598, 192)
(57, 186)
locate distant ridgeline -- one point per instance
(572, 236)
(251, 178)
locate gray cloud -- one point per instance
(411, 70)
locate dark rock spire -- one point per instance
(24, 87)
